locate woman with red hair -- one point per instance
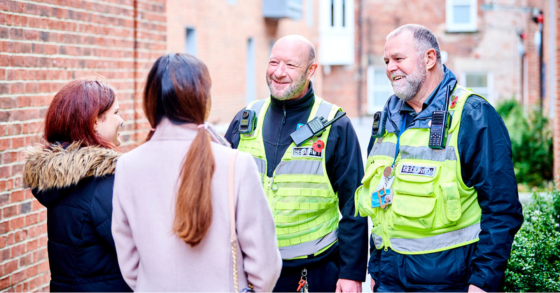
(73, 175)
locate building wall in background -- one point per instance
(223, 29)
(491, 49)
(43, 45)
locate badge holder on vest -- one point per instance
(383, 197)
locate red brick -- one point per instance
(18, 250)
(5, 282)
(10, 267)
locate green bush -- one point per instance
(531, 143)
(534, 265)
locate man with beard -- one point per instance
(307, 185)
(452, 209)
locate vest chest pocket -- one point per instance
(362, 198)
(414, 203)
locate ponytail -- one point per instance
(193, 211)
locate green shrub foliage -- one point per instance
(534, 265)
(531, 143)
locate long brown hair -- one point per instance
(178, 87)
(73, 111)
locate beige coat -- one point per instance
(152, 257)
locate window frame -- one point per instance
(194, 47)
(451, 26)
(370, 89)
(489, 84)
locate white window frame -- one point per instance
(489, 84)
(370, 84)
(191, 44)
(461, 27)
(336, 41)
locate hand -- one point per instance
(473, 288)
(372, 284)
(345, 285)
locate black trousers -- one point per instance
(321, 276)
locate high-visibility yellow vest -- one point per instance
(300, 195)
(432, 210)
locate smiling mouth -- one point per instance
(398, 77)
(281, 83)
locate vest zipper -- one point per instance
(279, 136)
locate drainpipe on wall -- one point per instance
(360, 63)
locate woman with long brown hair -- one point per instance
(171, 218)
(72, 175)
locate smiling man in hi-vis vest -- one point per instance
(310, 162)
(439, 185)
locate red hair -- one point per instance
(73, 111)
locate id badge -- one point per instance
(383, 195)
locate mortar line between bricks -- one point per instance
(53, 81)
(67, 45)
(73, 21)
(94, 58)
(38, 237)
(75, 33)
(23, 269)
(81, 10)
(38, 288)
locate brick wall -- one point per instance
(43, 45)
(222, 33)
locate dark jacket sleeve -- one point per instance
(345, 170)
(232, 134)
(486, 162)
(102, 209)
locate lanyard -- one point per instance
(403, 125)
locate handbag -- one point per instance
(233, 236)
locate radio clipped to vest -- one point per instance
(441, 120)
(378, 128)
(313, 128)
(248, 122)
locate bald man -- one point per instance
(306, 185)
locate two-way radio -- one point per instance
(378, 127)
(313, 128)
(441, 120)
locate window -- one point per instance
(309, 13)
(379, 89)
(336, 32)
(480, 83)
(250, 82)
(190, 41)
(461, 15)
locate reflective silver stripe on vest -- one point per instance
(257, 107)
(426, 153)
(300, 167)
(308, 248)
(261, 165)
(377, 240)
(383, 149)
(436, 242)
(324, 109)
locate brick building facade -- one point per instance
(234, 39)
(43, 45)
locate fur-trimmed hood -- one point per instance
(58, 167)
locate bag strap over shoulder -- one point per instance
(233, 235)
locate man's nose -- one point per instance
(280, 71)
(391, 66)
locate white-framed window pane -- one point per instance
(462, 14)
(379, 89)
(476, 80)
(190, 41)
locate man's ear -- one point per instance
(431, 58)
(312, 69)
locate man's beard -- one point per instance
(293, 90)
(407, 90)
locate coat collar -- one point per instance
(167, 130)
(395, 109)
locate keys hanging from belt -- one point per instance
(303, 285)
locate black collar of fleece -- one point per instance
(59, 167)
